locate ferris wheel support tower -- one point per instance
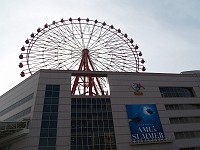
(87, 81)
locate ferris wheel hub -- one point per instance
(85, 51)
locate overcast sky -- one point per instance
(166, 31)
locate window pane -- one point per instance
(54, 101)
(52, 132)
(45, 124)
(182, 106)
(53, 124)
(176, 92)
(47, 101)
(55, 94)
(43, 142)
(48, 94)
(54, 108)
(44, 133)
(46, 108)
(51, 141)
(56, 88)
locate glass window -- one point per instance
(55, 94)
(73, 147)
(182, 106)
(47, 100)
(56, 87)
(54, 116)
(49, 87)
(43, 142)
(44, 133)
(45, 124)
(54, 108)
(47, 108)
(179, 120)
(47, 148)
(48, 94)
(54, 101)
(190, 148)
(51, 141)
(52, 132)
(91, 121)
(187, 134)
(53, 124)
(83, 101)
(49, 118)
(176, 91)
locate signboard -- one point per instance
(144, 123)
(136, 87)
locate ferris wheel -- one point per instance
(80, 44)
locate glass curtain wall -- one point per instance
(92, 124)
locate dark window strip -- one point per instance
(182, 106)
(190, 148)
(17, 104)
(19, 115)
(92, 124)
(176, 91)
(187, 134)
(180, 120)
(48, 131)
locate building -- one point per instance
(143, 111)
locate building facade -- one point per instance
(144, 111)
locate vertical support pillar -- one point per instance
(87, 82)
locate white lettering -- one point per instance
(148, 136)
(135, 137)
(147, 129)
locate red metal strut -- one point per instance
(90, 84)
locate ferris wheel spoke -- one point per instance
(51, 40)
(69, 42)
(63, 49)
(111, 59)
(114, 64)
(101, 39)
(73, 57)
(90, 35)
(104, 47)
(69, 33)
(103, 36)
(99, 63)
(98, 33)
(73, 64)
(72, 60)
(81, 34)
(73, 31)
(112, 49)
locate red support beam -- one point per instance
(88, 83)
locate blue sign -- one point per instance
(144, 123)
